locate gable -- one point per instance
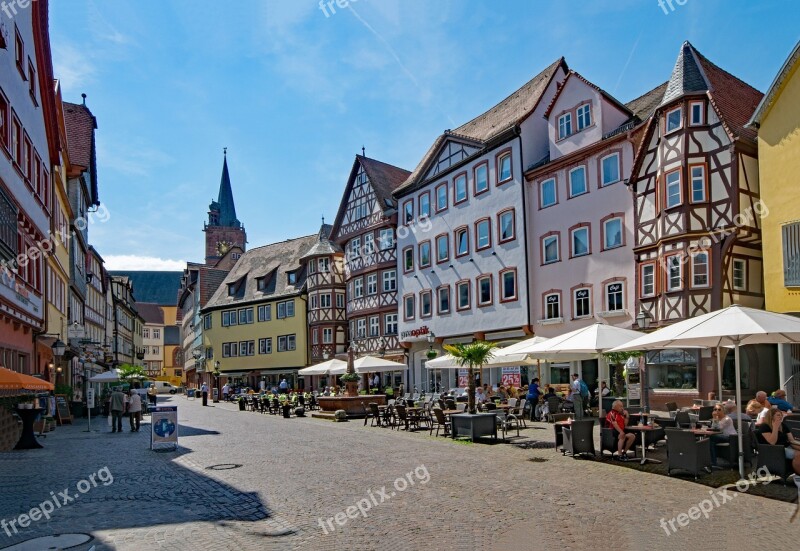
(450, 153)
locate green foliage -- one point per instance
(350, 378)
(64, 389)
(472, 355)
(129, 373)
(619, 358)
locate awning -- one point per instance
(11, 380)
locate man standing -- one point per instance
(117, 410)
(533, 397)
(376, 381)
(152, 394)
(225, 391)
(284, 386)
(135, 410)
(577, 396)
(204, 390)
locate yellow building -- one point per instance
(778, 121)
(254, 326)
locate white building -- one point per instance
(462, 258)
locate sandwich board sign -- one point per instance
(164, 427)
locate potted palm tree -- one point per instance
(473, 356)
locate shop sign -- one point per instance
(510, 376)
(414, 333)
(463, 378)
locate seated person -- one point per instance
(720, 421)
(617, 419)
(480, 397)
(501, 393)
(778, 399)
(731, 410)
(512, 392)
(757, 405)
(549, 392)
(772, 432)
(489, 391)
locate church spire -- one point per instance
(225, 206)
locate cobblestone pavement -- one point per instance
(276, 481)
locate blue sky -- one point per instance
(294, 94)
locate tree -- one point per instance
(471, 355)
(129, 373)
(618, 359)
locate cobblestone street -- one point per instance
(243, 480)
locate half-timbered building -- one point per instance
(697, 234)
(365, 229)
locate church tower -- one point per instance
(223, 229)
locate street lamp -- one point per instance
(216, 375)
(431, 352)
(643, 319)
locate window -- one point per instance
(425, 304)
(408, 212)
(462, 242)
(355, 247)
(286, 309)
(16, 140)
(4, 122)
(265, 346)
(408, 307)
(207, 321)
(614, 297)
(156, 333)
(547, 193)
(389, 281)
(247, 348)
(425, 254)
(481, 178)
(697, 174)
(245, 316)
(577, 181)
(610, 167)
(372, 285)
(261, 283)
(508, 285)
(696, 110)
(312, 269)
(648, 279)
(443, 296)
(324, 265)
(145, 333)
(226, 350)
(550, 249)
(374, 326)
(674, 276)
(564, 125)
(325, 300)
(19, 51)
(674, 118)
(612, 233)
(581, 299)
(483, 236)
(791, 254)
(387, 239)
(390, 324)
(361, 328)
(441, 197)
(442, 248)
(234, 349)
(584, 114)
(358, 287)
(408, 259)
(506, 225)
(425, 204)
(673, 188)
(552, 306)
(327, 335)
(739, 274)
(286, 343)
(265, 312)
(229, 318)
(700, 270)
(504, 168)
(339, 300)
(462, 295)
(484, 290)
(672, 368)
(460, 191)
(580, 241)
(369, 244)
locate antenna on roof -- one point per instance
(323, 219)
(363, 151)
(84, 98)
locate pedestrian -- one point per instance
(577, 395)
(204, 390)
(376, 381)
(135, 410)
(117, 410)
(225, 391)
(152, 394)
(284, 386)
(533, 397)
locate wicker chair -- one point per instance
(774, 459)
(579, 438)
(685, 452)
(439, 421)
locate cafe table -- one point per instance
(559, 429)
(704, 432)
(644, 429)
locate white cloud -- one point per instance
(72, 67)
(144, 263)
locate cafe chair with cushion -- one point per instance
(672, 408)
(774, 459)
(687, 453)
(519, 411)
(682, 419)
(704, 414)
(552, 407)
(579, 438)
(506, 422)
(729, 450)
(439, 422)
(609, 441)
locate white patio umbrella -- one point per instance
(106, 377)
(372, 364)
(322, 368)
(732, 326)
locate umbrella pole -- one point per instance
(719, 375)
(738, 404)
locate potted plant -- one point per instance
(350, 381)
(431, 354)
(473, 356)
(242, 403)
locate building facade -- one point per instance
(461, 238)
(152, 338)
(697, 228)
(126, 332)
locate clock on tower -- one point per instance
(223, 247)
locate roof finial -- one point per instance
(363, 151)
(323, 219)
(84, 98)
(225, 151)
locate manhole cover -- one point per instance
(58, 541)
(224, 467)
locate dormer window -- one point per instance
(674, 119)
(261, 284)
(564, 126)
(291, 278)
(231, 289)
(584, 114)
(696, 113)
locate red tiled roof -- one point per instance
(80, 124)
(150, 312)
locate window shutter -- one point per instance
(791, 254)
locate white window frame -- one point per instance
(702, 119)
(606, 233)
(706, 273)
(648, 272)
(389, 278)
(545, 241)
(742, 264)
(576, 299)
(358, 287)
(674, 263)
(673, 183)
(585, 182)
(667, 128)
(603, 182)
(387, 239)
(572, 235)
(374, 326)
(456, 180)
(548, 311)
(372, 284)
(607, 295)
(484, 167)
(693, 180)
(564, 126)
(390, 324)
(545, 184)
(327, 335)
(584, 115)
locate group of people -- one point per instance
(578, 398)
(126, 403)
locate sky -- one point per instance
(294, 89)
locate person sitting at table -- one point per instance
(489, 391)
(501, 393)
(722, 422)
(512, 392)
(549, 391)
(730, 409)
(778, 399)
(617, 419)
(480, 397)
(757, 405)
(772, 432)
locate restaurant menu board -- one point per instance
(164, 427)
(510, 377)
(62, 409)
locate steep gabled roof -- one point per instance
(151, 313)
(575, 74)
(646, 104)
(156, 287)
(323, 246)
(80, 125)
(502, 117)
(772, 93)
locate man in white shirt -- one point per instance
(575, 395)
(135, 410)
(225, 391)
(480, 397)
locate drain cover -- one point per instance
(224, 467)
(58, 541)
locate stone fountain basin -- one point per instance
(355, 406)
